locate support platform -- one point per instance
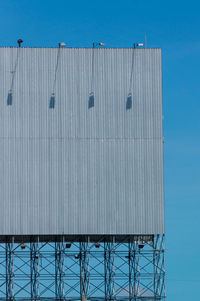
(86, 269)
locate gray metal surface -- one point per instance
(72, 163)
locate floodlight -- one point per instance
(20, 41)
(23, 246)
(62, 45)
(77, 256)
(98, 44)
(138, 45)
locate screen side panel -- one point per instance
(73, 168)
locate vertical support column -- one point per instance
(137, 274)
(84, 269)
(106, 270)
(132, 271)
(159, 267)
(134, 264)
(10, 277)
(60, 270)
(163, 291)
(155, 241)
(35, 270)
(109, 270)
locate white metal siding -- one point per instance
(73, 169)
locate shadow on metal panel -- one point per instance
(91, 100)
(53, 99)
(9, 98)
(10, 92)
(129, 101)
(52, 102)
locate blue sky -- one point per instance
(174, 26)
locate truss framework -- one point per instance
(83, 270)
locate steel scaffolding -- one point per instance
(106, 269)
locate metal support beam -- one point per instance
(159, 266)
(35, 270)
(109, 270)
(60, 270)
(83, 270)
(10, 276)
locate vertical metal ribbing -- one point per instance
(84, 269)
(60, 270)
(35, 269)
(10, 277)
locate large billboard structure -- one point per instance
(81, 156)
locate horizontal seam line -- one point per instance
(79, 138)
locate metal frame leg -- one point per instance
(109, 270)
(35, 270)
(84, 269)
(10, 276)
(60, 270)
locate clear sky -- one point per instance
(175, 27)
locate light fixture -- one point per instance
(62, 45)
(97, 245)
(98, 44)
(138, 45)
(20, 41)
(23, 246)
(77, 256)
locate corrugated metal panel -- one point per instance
(68, 167)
